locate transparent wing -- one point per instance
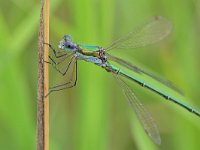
(151, 32)
(141, 71)
(143, 115)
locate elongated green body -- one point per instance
(94, 53)
(91, 54)
(156, 90)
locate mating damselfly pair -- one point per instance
(153, 31)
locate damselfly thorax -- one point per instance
(97, 57)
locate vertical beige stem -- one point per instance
(43, 80)
(46, 75)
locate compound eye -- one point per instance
(71, 46)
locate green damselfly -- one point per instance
(153, 31)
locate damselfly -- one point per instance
(153, 31)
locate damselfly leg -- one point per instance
(57, 53)
(69, 65)
(54, 63)
(72, 80)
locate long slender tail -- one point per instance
(159, 92)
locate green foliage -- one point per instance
(94, 114)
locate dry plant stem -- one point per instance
(43, 79)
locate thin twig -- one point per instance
(43, 102)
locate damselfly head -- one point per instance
(67, 43)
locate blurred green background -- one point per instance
(94, 115)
